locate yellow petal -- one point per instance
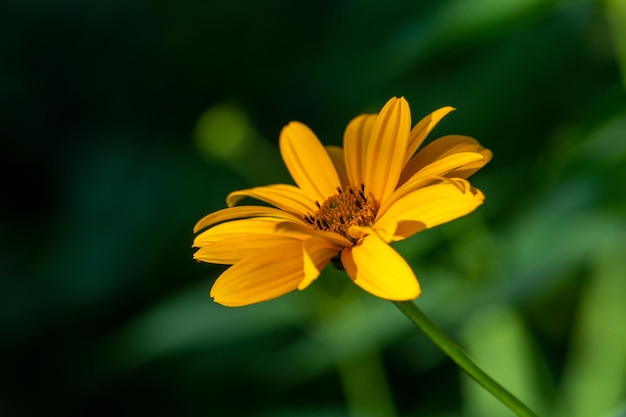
(301, 231)
(405, 229)
(390, 231)
(337, 156)
(423, 128)
(355, 141)
(358, 232)
(433, 205)
(233, 249)
(261, 277)
(308, 162)
(386, 149)
(447, 164)
(317, 253)
(285, 197)
(439, 168)
(374, 266)
(236, 228)
(242, 213)
(468, 170)
(442, 147)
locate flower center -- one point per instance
(347, 208)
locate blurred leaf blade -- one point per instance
(595, 374)
(495, 337)
(616, 15)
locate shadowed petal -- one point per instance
(317, 253)
(374, 266)
(407, 228)
(423, 128)
(355, 141)
(308, 162)
(386, 149)
(301, 231)
(285, 197)
(263, 276)
(390, 231)
(445, 146)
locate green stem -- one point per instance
(458, 355)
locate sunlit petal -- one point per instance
(433, 205)
(261, 277)
(423, 128)
(337, 156)
(439, 168)
(374, 266)
(355, 141)
(447, 164)
(358, 232)
(468, 170)
(283, 196)
(442, 147)
(386, 149)
(233, 249)
(241, 213)
(239, 227)
(308, 162)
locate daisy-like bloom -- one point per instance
(348, 205)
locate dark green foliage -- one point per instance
(106, 169)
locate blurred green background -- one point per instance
(123, 123)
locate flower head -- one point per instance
(348, 204)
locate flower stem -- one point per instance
(453, 350)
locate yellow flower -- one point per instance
(348, 205)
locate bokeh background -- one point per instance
(124, 122)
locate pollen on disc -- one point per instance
(349, 207)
